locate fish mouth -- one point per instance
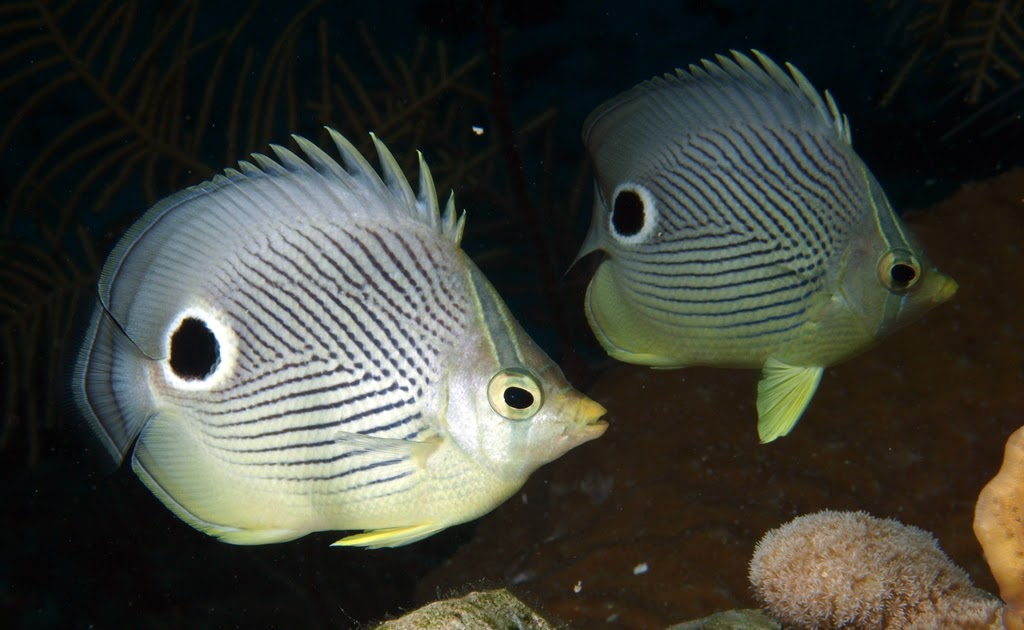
(947, 290)
(590, 413)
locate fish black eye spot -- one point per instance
(518, 398)
(195, 351)
(902, 274)
(628, 213)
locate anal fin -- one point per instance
(390, 537)
(257, 536)
(782, 396)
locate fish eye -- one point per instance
(515, 394)
(195, 351)
(899, 270)
(633, 213)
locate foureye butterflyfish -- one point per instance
(741, 229)
(302, 345)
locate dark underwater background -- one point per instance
(108, 106)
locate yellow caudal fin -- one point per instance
(391, 537)
(782, 395)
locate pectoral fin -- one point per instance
(416, 451)
(391, 537)
(782, 395)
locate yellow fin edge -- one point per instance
(643, 358)
(390, 537)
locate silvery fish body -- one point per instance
(741, 229)
(301, 345)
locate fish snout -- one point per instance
(946, 290)
(589, 415)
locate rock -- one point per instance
(731, 620)
(497, 610)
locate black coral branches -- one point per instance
(990, 46)
(980, 42)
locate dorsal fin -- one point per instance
(718, 93)
(183, 236)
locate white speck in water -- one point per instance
(640, 569)
(525, 500)
(478, 130)
(612, 618)
(578, 587)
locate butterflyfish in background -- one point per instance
(301, 345)
(741, 229)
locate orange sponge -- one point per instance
(999, 527)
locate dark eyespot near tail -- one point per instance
(628, 214)
(633, 213)
(195, 351)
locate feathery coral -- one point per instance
(852, 570)
(1000, 530)
(986, 38)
